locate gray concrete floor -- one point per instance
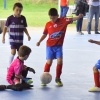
(79, 58)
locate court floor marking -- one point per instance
(63, 49)
(81, 50)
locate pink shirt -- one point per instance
(15, 68)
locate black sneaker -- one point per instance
(2, 87)
(58, 81)
(97, 33)
(89, 32)
(0, 31)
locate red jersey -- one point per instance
(63, 3)
(56, 31)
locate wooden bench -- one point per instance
(71, 9)
(2, 23)
(85, 22)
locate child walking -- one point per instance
(17, 70)
(56, 29)
(17, 26)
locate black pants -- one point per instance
(80, 9)
(24, 74)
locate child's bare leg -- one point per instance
(96, 76)
(48, 65)
(59, 67)
(17, 81)
(13, 52)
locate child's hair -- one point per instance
(17, 5)
(53, 12)
(24, 50)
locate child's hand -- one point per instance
(29, 38)
(80, 15)
(3, 40)
(91, 41)
(38, 44)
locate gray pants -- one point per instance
(93, 10)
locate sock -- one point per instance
(11, 59)
(58, 70)
(96, 79)
(47, 67)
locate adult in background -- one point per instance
(0, 30)
(81, 7)
(93, 10)
(64, 4)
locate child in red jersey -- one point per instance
(56, 29)
(96, 71)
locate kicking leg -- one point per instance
(48, 65)
(96, 77)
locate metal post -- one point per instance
(59, 7)
(4, 4)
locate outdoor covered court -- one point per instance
(77, 77)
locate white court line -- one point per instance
(63, 49)
(82, 50)
(5, 46)
(68, 49)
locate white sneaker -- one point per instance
(94, 89)
(80, 33)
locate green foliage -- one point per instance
(35, 11)
(71, 2)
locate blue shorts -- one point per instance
(54, 52)
(16, 46)
(97, 65)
